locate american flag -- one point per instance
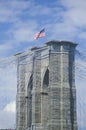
(40, 34)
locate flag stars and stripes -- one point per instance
(40, 34)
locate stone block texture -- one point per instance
(46, 93)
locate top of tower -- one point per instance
(49, 43)
(60, 42)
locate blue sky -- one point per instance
(19, 21)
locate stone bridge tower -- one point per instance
(46, 93)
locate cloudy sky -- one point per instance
(19, 21)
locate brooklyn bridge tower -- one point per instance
(46, 93)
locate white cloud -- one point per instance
(8, 116)
(11, 107)
(82, 35)
(10, 10)
(38, 10)
(24, 31)
(4, 48)
(8, 81)
(74, 3)
(75, 11)
(8, 86)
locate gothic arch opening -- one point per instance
(30, 83)
(30, 86)
(44, 97)
(46, 79)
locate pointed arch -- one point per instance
(30, 83)
(30, 86)
(46, 79)
(44, 96)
